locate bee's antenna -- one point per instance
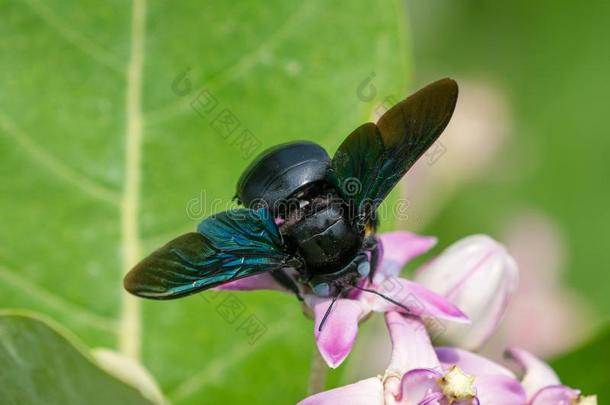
(385, 297)
(328, 312)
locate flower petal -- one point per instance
(499, 390)
(555, 394)
(398, 249)
(478, 275)
(473, 401)
(538, 374)
(419, 301)
(365, 392)
(437, 399)
(411, 347)
(470, 363)
(339, 331)
(263, 281)
(419, 386)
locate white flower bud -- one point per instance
(478, 276)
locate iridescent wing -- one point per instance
(374, 157)
(226, 247)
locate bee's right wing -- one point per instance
(226, 247)
(374, 157)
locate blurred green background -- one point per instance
(104, 159)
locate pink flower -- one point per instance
(479, 276)
(336, 338)
(541, 384)
(419, 375)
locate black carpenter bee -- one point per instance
(309, 220)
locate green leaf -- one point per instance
(586, 368)
(40, 365)
(104, 159)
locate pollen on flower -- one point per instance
(588, 400)
(457, 385)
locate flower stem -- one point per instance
(317, 375)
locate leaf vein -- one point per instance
(50, 300)
(54, 164)
(238, 68)
(79, 40)
(218, 366)
(129, 332)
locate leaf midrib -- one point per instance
(129, 329)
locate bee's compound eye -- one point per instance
(364, 269)
(321, 290)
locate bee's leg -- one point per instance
(287, 282)
(372, 244)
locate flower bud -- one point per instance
(478, 276)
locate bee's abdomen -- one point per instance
(325, 240)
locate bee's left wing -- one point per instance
(374, 157)
(226, 247)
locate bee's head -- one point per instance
(334, 284)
